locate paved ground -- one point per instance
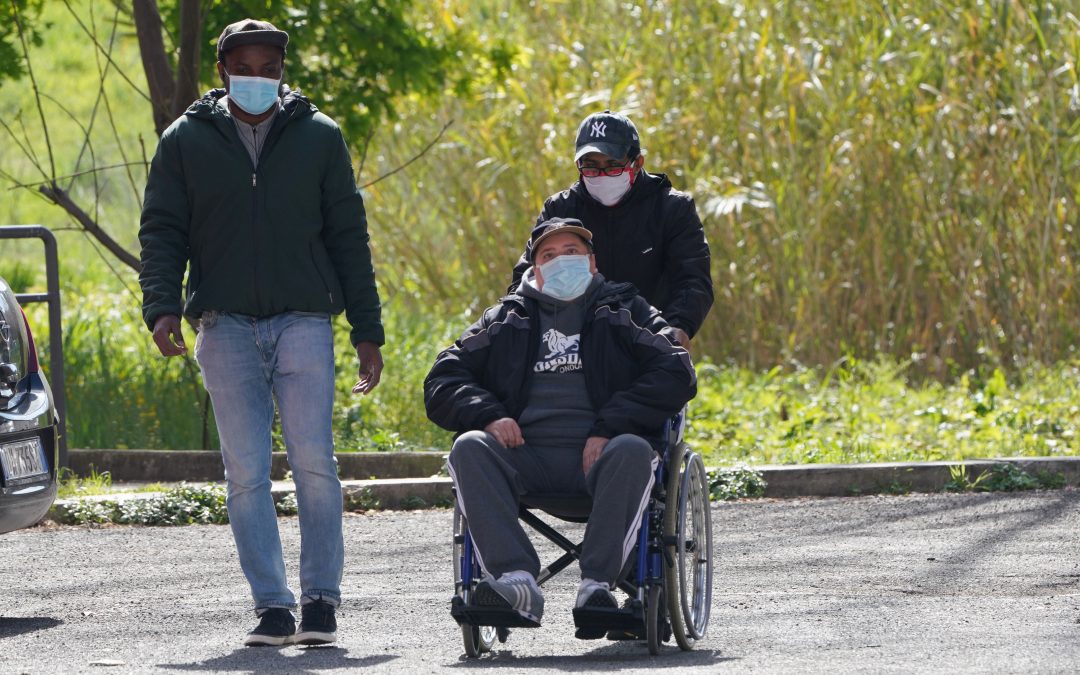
(928, 583)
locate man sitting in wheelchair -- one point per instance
(562, 388)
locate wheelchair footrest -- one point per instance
(498, 617)
(603, 619)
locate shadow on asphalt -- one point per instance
(10, 627)
(289, 659)
(607, 658)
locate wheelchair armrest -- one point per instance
(675, 427)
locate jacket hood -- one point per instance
(645, 185)
(293, 103)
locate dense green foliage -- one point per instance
(181, 505)
(16, 14)
(888, 189)
(360, 59)
(871, 411)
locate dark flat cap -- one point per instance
(250, 32)
(553, 226)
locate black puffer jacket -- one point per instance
(636, 379)
(652, 239)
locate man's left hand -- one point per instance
(370, 367)
(593, 447)
(682, 338)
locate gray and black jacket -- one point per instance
(636, 379)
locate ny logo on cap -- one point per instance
(598, 129)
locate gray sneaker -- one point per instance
(514, 590)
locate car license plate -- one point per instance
(22, 459)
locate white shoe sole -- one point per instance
(267, 640)
(313, 638)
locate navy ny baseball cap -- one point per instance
(609, 134)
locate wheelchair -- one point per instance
(668, 576)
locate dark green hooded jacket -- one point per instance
(290, 235)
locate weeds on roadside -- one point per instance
(287, 506)
(1003, 477)
(728, 483)
(362, 500)
(182, 505)
(68, 484)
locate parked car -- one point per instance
(28, 423)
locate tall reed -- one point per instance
(873, 177)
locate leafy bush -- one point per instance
(287, 506)
(182, 505)
(736, 482)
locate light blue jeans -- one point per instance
(246, 363)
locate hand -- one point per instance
(506, 431)
(681, 337)
(593, 447)
(370, 369)
(168, 336)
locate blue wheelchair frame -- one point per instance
(653, 565)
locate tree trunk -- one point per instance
(187, 71)
(156, 64)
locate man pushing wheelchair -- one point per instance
(562, 388)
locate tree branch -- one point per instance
(101, 49)
(34, 85)
(420, 154)
(159, 74)
(60, 197)
(187, 68)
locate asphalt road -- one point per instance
(927, 583)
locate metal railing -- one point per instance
(52, 297)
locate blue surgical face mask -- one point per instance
(254, 95)
(566, 277)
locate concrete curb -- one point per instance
(407, 480)
(837, 480)
(152, 466)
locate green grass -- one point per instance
(874, 412)
(70, 486)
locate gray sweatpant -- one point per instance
(490, 479)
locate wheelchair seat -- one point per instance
(571, 507)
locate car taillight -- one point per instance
(31, 355)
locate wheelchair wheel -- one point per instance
(688, 528)
(476, 639)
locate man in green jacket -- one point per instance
(251, 191)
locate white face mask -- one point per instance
(608, 190)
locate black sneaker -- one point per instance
(617, 634)
(318, 626)
(276, 628)
(592, 609)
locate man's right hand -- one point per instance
(506, 431)
(167, 335)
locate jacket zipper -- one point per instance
(254, 216)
